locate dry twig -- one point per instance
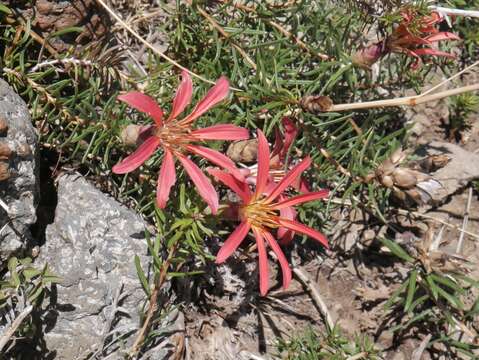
(153, 304)
(315, 294)
(402, 101)
(14, 326)
(464, 222)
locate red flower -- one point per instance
(278, 168)
(176, 137)
(259, 212)
(414, 36)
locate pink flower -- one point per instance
(177, 138)
(278, 168)
(260, 213)
(414, 36)
(279, 155)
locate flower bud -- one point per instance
(368, 55)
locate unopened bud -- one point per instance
(367, 56)
(129, 135)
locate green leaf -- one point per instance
(448, 282)
(411, 290)
(432, 286)
(5, 9)
(397, 250)
(395, 295)
(142, 276)
(190, 273)
(453, 300)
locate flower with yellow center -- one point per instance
(177, 138)
(260, 210)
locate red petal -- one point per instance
(283, 262)
(232, 243)
(166, 179)
(286, 236)
(202, 183)
(216, 94)
(144, 151)
(433, 52)
(303, 229)
(301, 199)
(263, 262)
(290, 132)
(143, 103)
(217, 158)
(240, 188)
(221, 132)
(183, 96)
(289, 178)
(263, 164)
(442, 36)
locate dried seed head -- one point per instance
(3, 126)
(5, 151)
(387, 181)
(404, 178)
(129, 135)
(4, 171)
(316, 104)
(245, 151)
(398, 156)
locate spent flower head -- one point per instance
(177, 138)
(261, 212)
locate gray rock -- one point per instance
(462, 168)
(20, 190)
(91, 245)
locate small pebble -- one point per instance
(5, 151)
(4, 171)
(3, 126)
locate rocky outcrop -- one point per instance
(91, 245)
(18, 173)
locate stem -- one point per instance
(153, 306)
(403, 101)
(460, 12)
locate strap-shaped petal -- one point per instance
(221, 132)
(216, 94)
(263, 262)
(283, 262)
(166, 179)
(263, 164)
(303, 229)
(145, 104)
(183, 96)
(202, 183)
(217, 158)
(289, 179)
(296, 200)
(239, 187)
(233, 241)
(144, 151)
